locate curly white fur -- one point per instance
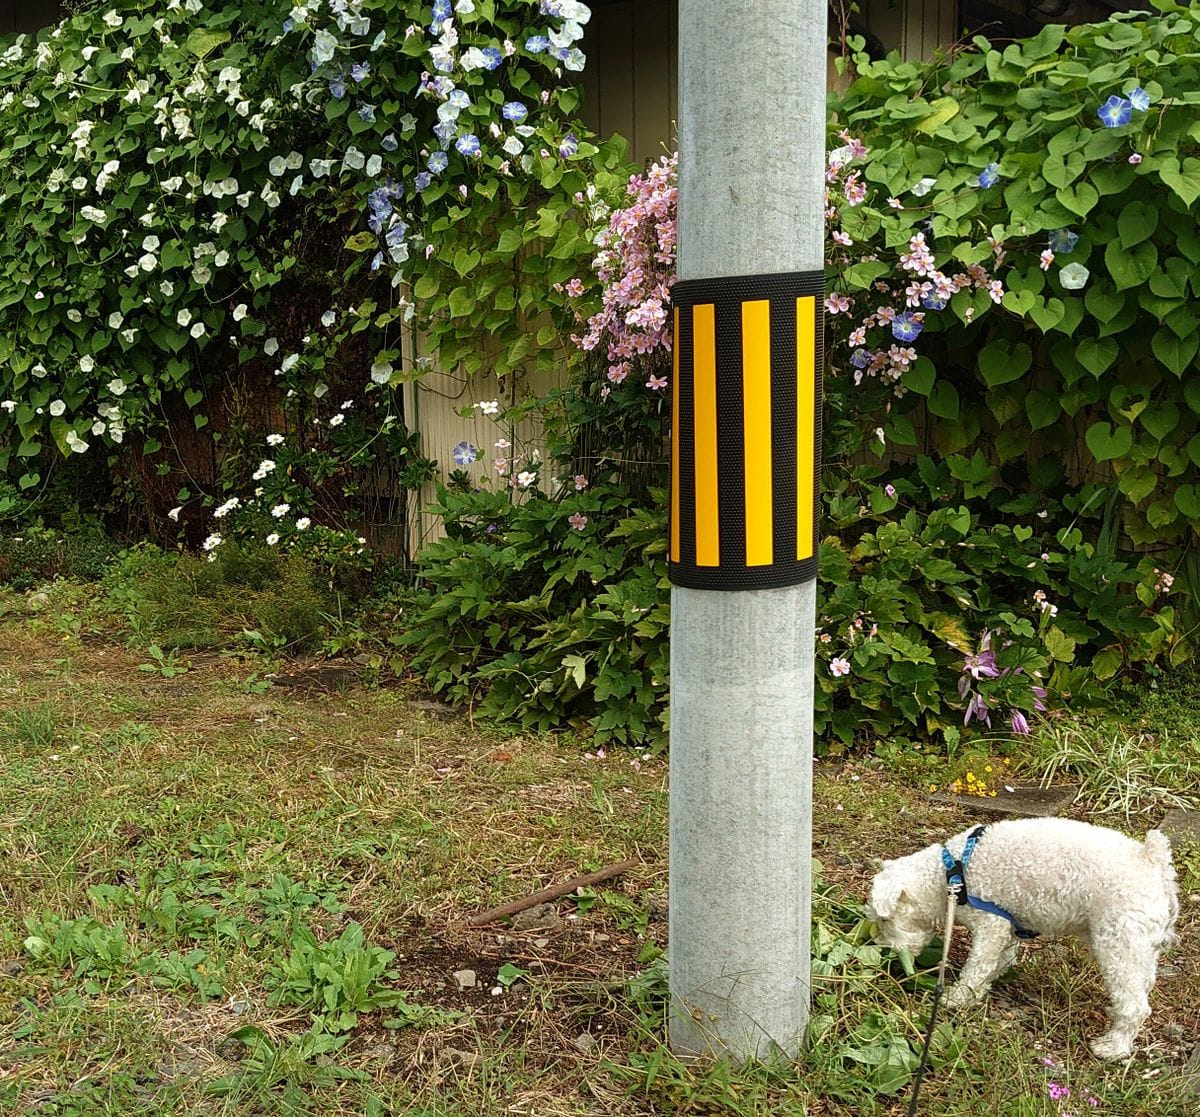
(1057, 877)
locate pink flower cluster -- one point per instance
(636, 265)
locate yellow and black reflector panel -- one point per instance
(746, 431)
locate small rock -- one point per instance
(239, 1008)
(12, 967)
(463, 1060)
(36, 601)
(601, 938)
(465, 979)
(541, 917)
(541, 944)
(585, 1041)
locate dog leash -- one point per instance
(951, 904)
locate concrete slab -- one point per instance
(1182, 827)
(1023, 801)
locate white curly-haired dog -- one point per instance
(1047, 877)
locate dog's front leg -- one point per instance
(993, 950)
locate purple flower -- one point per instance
(360, 70)
(366, 113)
(981, 665)
(441, 10)
(905, 327)
(515, 111)
(468, 144)
(464, 453)
(891, 491)
(933, 301)
(494, 57)
(977, 707)
(1115, 112)
(569, 146)
(1020, 726)
(989, 175)
(1139, 99)
(437, 162)
(376, 261)
(422, 180)
(1039, 699)
(389, 142)
(860, 358)
(537, 44)
(337, 88)
(1062, 241)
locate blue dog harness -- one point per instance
(956, 878)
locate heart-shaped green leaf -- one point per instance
(1184, 180)
(1160, 419)
(1096, 353)
(1187, 500)
(1022, 532)
(1106, 443)
(1043, 408)
(1193, 448)
(1136, 223)
(943, 401)
(1000, 365)
(1103, 301)
(1132, 267)
(1080, 199)
(1174, 352)
(1019, 302)
(1048, 313)
(1137, 483)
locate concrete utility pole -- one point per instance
(745, 463)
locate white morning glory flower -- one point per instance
(1074, 277)
(57, 407)
(923, 187)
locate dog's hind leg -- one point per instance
(1128, 966)
(993, 950)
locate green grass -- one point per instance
(220, 899)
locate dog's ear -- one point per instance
(885, 897)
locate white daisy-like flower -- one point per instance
(226, 508)
(274, 440)
(265, 467)
(272, 539)
(212, 542)
(304, 523)
(337, 420)
(281, 510)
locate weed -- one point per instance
(167, 664)
(1119, 770)
(336, 979)
(31, 727)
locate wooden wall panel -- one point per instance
(27, 15)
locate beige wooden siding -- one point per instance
(916, 28)
(629, 83)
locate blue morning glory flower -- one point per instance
(437, 162)
(360, 70)
(1115, 112)
(288, 24)
(337, 88)
(464, 453)
(444, 130)
(459, 99)
(494, 57)
(366, 113)
(989, 175)
(515, 111)
(422, 180)
(441, 10)
(560, 52)
(860, 358)
(389, 142)
(1062, 241)
(906, 328)
(396, 234)
(1139, 99)
(376, 261)
(933, 301)
(536, 44)
(468, 144)
(569, 146)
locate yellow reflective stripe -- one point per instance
(756, 420)
(806, 406)
(675, 546)
(704, 366)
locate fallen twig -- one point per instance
(551, 893)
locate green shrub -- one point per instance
(542, 623)
(33, 555)
(178, 600)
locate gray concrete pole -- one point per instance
(751, 141)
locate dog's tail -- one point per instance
(1157, 850)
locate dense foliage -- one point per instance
(995, 220)
(257, 201)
